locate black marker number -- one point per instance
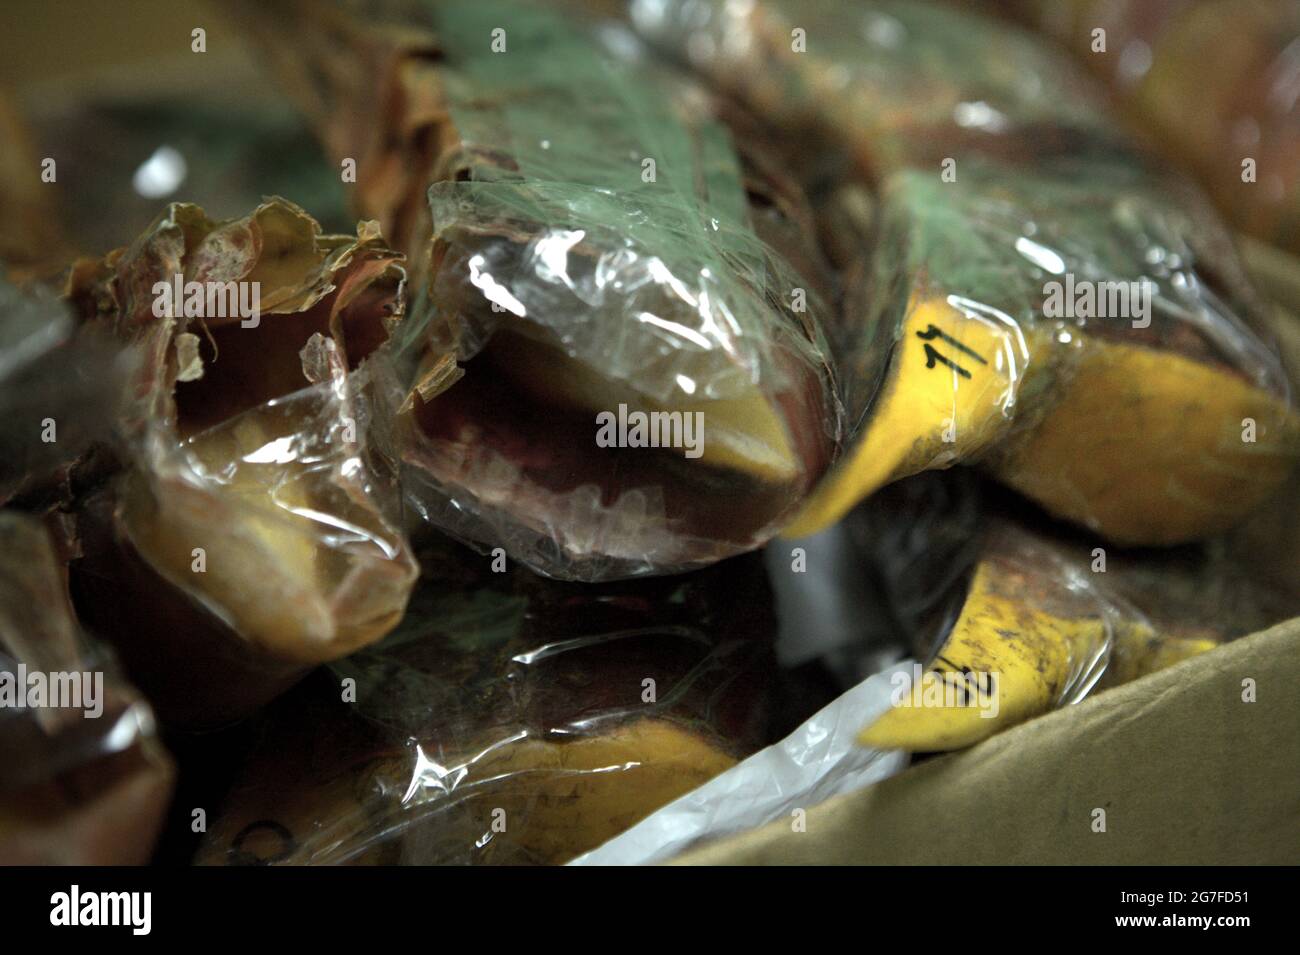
(933, 355)
(967, 683)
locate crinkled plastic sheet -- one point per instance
(819, 760)
(566, 279)
(1004, 196)
(81, 781)
(498, 697)
(509, 719)
(253, 535)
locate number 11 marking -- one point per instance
(932, 354)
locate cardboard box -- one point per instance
(1186, 771)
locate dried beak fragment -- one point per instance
(1038, 300)
(639, 384)
(1043, 617)
(251, 510)
(1032, 633)
(86, 780)
(565, 712)
(1038, 630)
(380, 804)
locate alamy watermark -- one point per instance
(937, 688)
(651, 429)
(242, 300)
(75, 907)
(60, 689)
(1068, 298)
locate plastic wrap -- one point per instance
(509, 719)
(820, 759)
(1029, 293)
(1013, 622)
(251, 538)
(1033, 631)
(613, 366)
(1155, 54)
(83, 777)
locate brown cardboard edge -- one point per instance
(1186, 771)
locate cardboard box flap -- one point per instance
(1186, 771)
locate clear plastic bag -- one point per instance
(1012, 621)
(1008, 626)
(509, 719)
(610, 365)
(1030, 294)
(83, 777)
(253, 535)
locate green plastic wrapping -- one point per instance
(1028, 291)
(595, 244)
